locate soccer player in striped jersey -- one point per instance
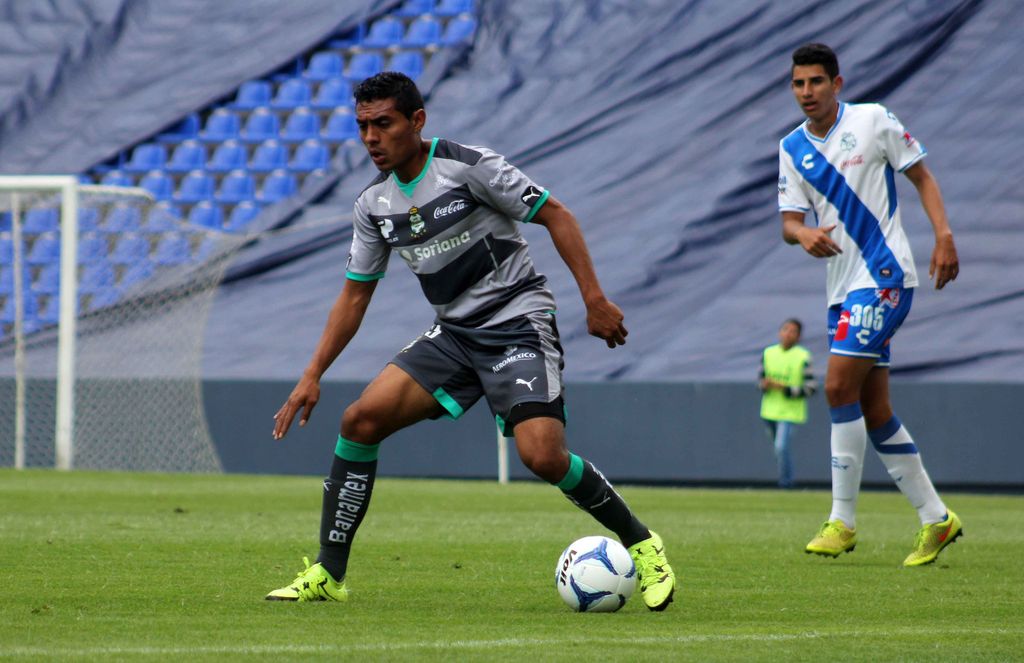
(451, 212)
(840, 166)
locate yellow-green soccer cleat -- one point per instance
(312, 584)
(657, 580)
(833, 539)
(931, 539)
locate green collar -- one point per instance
(408, 187)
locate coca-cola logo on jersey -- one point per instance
(450, 208)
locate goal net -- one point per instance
(105, 295)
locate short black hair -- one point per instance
(794, 321)
(817, 54)
(391, 85)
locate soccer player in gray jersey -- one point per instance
(451, 212)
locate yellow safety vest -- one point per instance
(787, 367)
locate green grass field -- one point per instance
(141, 566)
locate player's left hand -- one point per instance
(945, 266)
(604, 320)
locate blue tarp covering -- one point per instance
(658, 123)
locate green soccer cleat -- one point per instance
(657, 580)
(312, 584)
(931, 539)
(833, 539)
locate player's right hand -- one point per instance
(304, 397)
(816, 241)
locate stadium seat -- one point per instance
(311, 155)
(293, 93)
(332, 93)
(158, 183)
(384, 33)
(414, 8)
(92, 247)
(117, 178)
(323, 66)
(269, 156)
(423, 32)
(186, 129)
(130, 248)
(45, 249)
(173, 249)
(459, 30)
(31, 312)
(146, 157)
(348, 39)
(409, 63)
(88, 219)
(97, 277)
(138, 272)
(279, 185)
(223, 124)
(6, 249)
(7, 278)
(41, 220)
(301, 125)
(262, 125)
(228, 156)
(236, 187)
(46, 283)
(187, 157)
(5, 222)
(104, 298)
(253, 94)
(49, 314)
(122, 218)
(207, 214)
(364, 65)
(162, 217)
(241, 216)
(341, 126)
(453, 7)
(195, 187)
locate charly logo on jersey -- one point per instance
(416, 224)
(531, 195)
(807, 162)
(848, 141)
(451, 208)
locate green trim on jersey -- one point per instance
(448, 403)
(355, 452)
(537, 205)
(408, 187)
(573, 476)
(364, 277)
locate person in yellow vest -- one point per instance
(786, 382)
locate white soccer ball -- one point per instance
(595, 574)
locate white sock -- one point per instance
(898, 452)
(849, 439)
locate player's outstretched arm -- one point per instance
(944, 266)
(342, 323)
(815, 241)
(604, 319)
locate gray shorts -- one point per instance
(515, 363)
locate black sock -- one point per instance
(346, 499)
(589, 490)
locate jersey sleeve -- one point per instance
(369, 254)
(900, 149)
(502, 186)
(792, 197)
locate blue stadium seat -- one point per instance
(262, 125)
(301, 125)
(236, 187)
(252, 95)
(293, 93)
(279, 185)
(130, 248)
(41, 220)
(5, 222)
(311, 155)
(162, 217)
(46, 283)
(117, 178)
(241, 216)
(423, 32)
(173, 249)
(187, 157)
(146, 157)
(223, 124)
(122, 218)
(332, 93)
(459, 30)
(228, 156)
(384, 33)
(409, 63)
(324, 65)
(92, 247)
(31, 312)
(207, 215)
(45, 249)
(453, 7)
(195, 187)
(341, 126)
(50, 313)
(414, 8)
(158, 183)
(97, 277)
(88, 219)
(7, 278)
(186, 129)
(364, 65)
(269, 156)
(138, 272)
(6, 249)
(104, 298)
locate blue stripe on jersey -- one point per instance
(890, 186)
(861, 225)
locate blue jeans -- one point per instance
(780, 431)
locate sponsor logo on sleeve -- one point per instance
(531, 195)
(908, 139)
(782, 183)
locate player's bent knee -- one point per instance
(361, 424)
(548, 464)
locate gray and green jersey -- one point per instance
(455, 226)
